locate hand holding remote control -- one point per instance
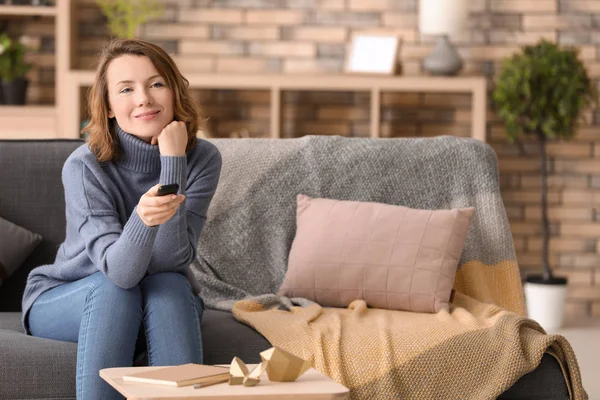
(159, 204)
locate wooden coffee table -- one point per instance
(312, 385)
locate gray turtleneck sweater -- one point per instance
(104, 233)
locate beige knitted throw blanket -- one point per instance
(476, 350)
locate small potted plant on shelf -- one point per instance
(13, 69)
(542, 92)
(125, 16)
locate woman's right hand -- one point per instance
(156, 210)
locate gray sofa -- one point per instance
(31, 196)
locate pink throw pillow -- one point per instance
(392, 257)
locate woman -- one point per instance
(121, 272)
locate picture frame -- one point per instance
(373, 54)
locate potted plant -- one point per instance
(542, 92)
(124, 16)
(13, 68)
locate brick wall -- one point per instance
(311, 36)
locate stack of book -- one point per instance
(182, 375)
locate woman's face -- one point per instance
(138, 96)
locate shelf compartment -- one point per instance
(39, 11)
(28, 122)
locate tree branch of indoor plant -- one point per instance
(124, 16)
(542, 92)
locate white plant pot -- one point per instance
(546, 301)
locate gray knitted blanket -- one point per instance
(243, 249)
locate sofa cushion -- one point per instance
(34, 368)
(16, 245)
(392, 257)
(224, 338)
(11, 321)
(31, 170)
(546, 382)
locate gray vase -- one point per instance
(444, 60)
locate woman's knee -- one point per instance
(167, 282)
(169, 290)
(110, 296)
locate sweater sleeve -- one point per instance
(121, 251)
(175, 245)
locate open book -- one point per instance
(181, 375)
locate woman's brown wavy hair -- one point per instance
(102, 138)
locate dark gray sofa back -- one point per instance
(32, 196)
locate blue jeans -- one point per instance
(106, 320)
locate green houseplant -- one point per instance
(124, 16)
(541, 92)
(13, 69)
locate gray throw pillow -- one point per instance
(16, 244)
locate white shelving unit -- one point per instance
(38, 122)
(278, 83)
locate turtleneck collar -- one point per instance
(136, 154)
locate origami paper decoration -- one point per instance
(237, 372)
(254, 377)
(280, 365)
(283, 366)
(240, 375)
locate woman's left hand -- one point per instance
(172, 140)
